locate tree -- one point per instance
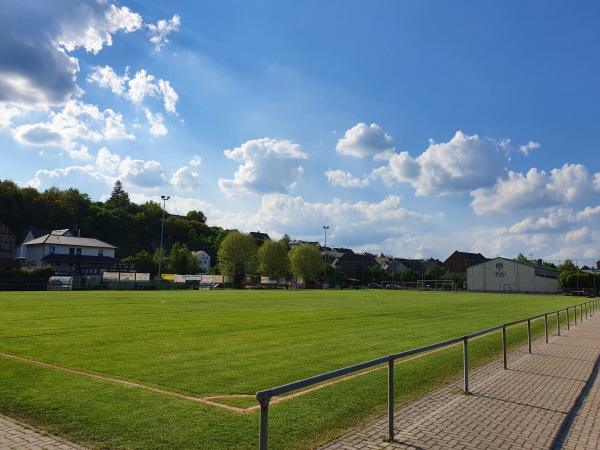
(286, 240)
(197, 216)
(434, 272)
(180, 260)
(273, 260)
(306, 262)
(118, 197)
(237, 256)
(568, 266)
(143, 262)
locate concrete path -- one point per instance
(549, 399)
(15, 436)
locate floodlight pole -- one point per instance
(325, 228)
(164, 198)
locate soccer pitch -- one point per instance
(179, 369)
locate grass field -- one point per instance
(208, 344)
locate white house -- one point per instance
(507, 275)
(203, 259)
(68, 254)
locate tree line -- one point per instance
(135, 230)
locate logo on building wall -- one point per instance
(499, 273)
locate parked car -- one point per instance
(392, 286)
(374, 286)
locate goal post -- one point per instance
(436, 285)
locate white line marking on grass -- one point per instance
(211, 400)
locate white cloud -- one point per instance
(366, 140)
(169, 95)
(6, 115)
(156, 121)
(106, 77)
(185, 179)
(36, 69)
(143, 174)
(527, 148)
(114, 127)
(578, 236)
(108, 162)
(100, 22)
(139, 87)
(464, 163)
(161, 31)
(535, 190)
(75, 122)
(136, 172)
(267, 166)
(345, 179)
(294, 215)
(70, 176)
(195, 161)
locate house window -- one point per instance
(51, 249)
(100, 252)
(72, 251)
(79, 251)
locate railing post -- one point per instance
(575, 309)
(529, 334)
(264, 399)
(586, 314)
(569, 320)
(504, 346)
(466, 364)
(558, 323)
(546, 326)
(391, 400)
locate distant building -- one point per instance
(260, 236)
(203, 259)
(68, 254)
(458, 262)
(510, 276)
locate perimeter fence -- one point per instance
(264, 397)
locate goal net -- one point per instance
(436, 285)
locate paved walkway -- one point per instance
(549, 399)
(15, 436)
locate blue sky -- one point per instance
(412, 128)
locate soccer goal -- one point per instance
(436, 285)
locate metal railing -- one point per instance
(264, 397)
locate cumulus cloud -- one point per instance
(527, 148)
(345, 179)
(185, 179)
(100, 22)
(536, 189)
(107, 161)
(460, 165)
(366, 141)
(143, 174)
(136, 172)
(195, 161)
(135, 89)
(156, 122)
(67, 177)
(77, 121)
(162, 30)
(35, 68)
(6, 115)
(267, 166)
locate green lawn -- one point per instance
(207, 343)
